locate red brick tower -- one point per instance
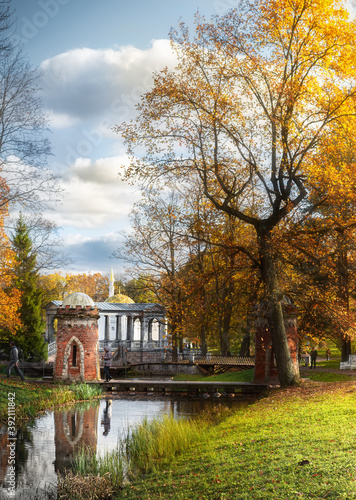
(77, 339)
(265, 366)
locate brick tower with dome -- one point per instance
(77, 339)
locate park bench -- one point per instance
(350, 364)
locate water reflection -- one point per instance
(34, 457)
(46, 446)
(105, 421)
(75, 429)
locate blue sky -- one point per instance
(97, 57)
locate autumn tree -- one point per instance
(95, 285)
(245, 110)
(323, 245)
(53, 287)
(30, 332)
(156, 252)
(140, 290)
(219, 255)
(10, 296)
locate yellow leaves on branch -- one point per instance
(10, 297)
(332, 172)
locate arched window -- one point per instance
(155, 330)
(74, 424)
(74, 358)
(137, 329)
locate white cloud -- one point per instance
(94, 196)
(101, 171)
(85, 83)
(86, 92)
(60, 120)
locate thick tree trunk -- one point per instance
(288, 372)
(342, 269)
(345, 347)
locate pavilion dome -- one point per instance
(120, 298)
(78, 299)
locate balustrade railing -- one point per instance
(225, 360)
(52, 348)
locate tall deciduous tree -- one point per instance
(323, 246)
(30, 333)
(254, 93)
(158, 252)
(95, 285)
(24, 147)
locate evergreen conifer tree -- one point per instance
(26, 280)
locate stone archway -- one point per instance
(65, 372)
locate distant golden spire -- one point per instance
(111, 284)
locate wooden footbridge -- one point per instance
(208, 365)
(220, 364)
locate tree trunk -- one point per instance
(288, 372)
(342, 270)
(246, 341)
(226, 320)
(174, 344)
(203, 343)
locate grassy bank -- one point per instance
(140, 452)
(247, 376)
(297, 443)
(32, 398)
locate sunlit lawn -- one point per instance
(297, 443)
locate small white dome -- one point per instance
(77, 299)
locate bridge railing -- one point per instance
(52, 348)
(225, 360)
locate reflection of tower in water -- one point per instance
(75, 429)
(4, 453)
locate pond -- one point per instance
(46, 445)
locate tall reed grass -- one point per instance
(141, 450)
(112, 463)
(160, 438)
(85, 391)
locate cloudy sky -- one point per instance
(97, 57)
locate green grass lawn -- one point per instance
(31, 398)
(328, 377)
(247, 376)
(333, 364)
(298, 443)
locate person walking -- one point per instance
(14, 361)
(313, 356)
(107, 363)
